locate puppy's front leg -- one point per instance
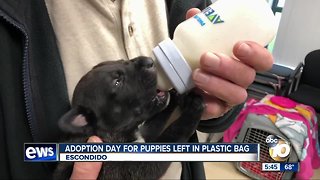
(180, 131)
(153, 127)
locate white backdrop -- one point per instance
(298, 33)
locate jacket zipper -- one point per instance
(25, 77)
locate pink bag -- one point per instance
(298, 122)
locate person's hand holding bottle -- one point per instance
(224, 79)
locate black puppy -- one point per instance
(119, 102)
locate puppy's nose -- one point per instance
(145, 62)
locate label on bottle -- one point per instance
(212, 16)
(200, 21)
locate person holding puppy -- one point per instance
(47, 45)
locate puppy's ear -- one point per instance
(78, 120)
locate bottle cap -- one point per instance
(174, 65)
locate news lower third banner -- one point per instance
(217, 152)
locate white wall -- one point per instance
(299, 32)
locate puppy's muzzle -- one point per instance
(145, 63)
(161, 99)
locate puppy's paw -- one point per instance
(193, 103)
(174, 98)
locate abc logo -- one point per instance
(279, 149)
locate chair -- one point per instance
(307, 89)
(278, 81)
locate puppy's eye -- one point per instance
(117, 82)
(118, 78)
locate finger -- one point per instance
(228, 68)
(191, 12)
(87, 170)
(221, 88)
(214, 107)
(253, 55)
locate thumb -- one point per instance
(191, 12)
(87, 170)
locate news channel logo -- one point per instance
(40, 152)
(279, 149)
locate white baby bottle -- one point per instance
(216, 29)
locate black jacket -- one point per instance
(33, 93)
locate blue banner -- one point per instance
(289, 167)
(158, 148)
